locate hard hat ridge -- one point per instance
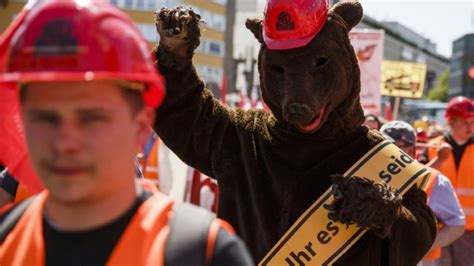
(291, 24)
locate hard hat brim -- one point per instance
(153, 96)
(287, 44)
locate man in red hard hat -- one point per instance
(459, 168)
(88, 88)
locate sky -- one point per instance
(441, 21)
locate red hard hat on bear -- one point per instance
(56, 43)
(291, 24)
(460, 107)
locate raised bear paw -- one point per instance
(179, 30)
(372, 206)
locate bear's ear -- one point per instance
(254, 24)
(350, 11)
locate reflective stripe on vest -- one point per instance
(465, 191)
(468, 211)
(461, 178)
(21, 193)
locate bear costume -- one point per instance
(269, 165)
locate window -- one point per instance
(221, 2)
(146, 4)
(407, 54)
(210, 74)
(213, 21)
(140, 4)
(148, 31)
(211, 47)
(128, 4)
(214, 48)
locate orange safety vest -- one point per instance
(435, 253)
(21, 193)
(142, 242)
(462, 178)
(150, 166)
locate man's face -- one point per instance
(461, 128)
(406, 147)
(82, 138)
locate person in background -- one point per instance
(88, 89)
(155, 165)
(459, 168)
(372, 122)
(441, 196)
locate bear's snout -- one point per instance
(298, 111)
(303, 117)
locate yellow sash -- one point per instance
(314, 239)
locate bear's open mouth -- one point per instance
(314, 123)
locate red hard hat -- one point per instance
(460, 107)
(421, 135)
(291, 24)
(67, 40)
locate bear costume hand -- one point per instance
(372, 206)
(179, 33)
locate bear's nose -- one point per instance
(298, 109)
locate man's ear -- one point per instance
(145, 119)
(350, 11)
(254, 24)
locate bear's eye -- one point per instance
(277, 69)
(320, 62)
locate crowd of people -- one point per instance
(84, 119)
(448, 154)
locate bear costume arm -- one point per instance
(191, 122)
(415, 230)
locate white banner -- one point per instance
(368, 46)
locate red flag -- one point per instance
(224, 88)
(388, 111)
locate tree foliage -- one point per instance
(440, 90)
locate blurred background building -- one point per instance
(461, 80)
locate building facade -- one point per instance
(209, 56)
(461, 78)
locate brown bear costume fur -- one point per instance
(268, 168)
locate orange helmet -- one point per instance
(460, 107)
(291, 24)
(68, 40)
